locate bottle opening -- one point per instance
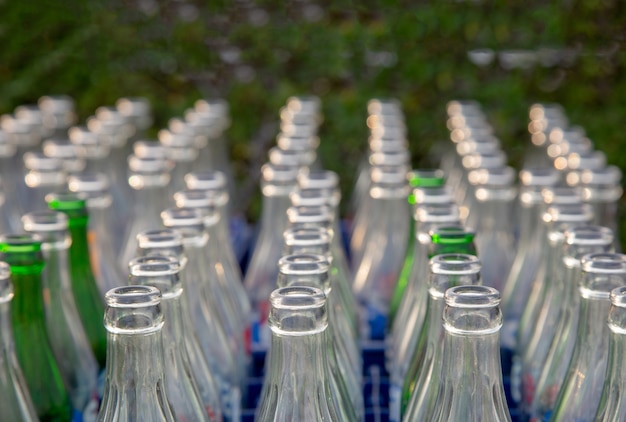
(297, 311)
(133, 310)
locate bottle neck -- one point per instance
(495, 215)
(530, 224)
(593, 332)
(172, 330)
(273, 216)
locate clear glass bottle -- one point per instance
(422, 379)
(579, 241)
(528, 253)
(297, 386)
(182, 390)
(69, 343)
(180, 149)
(65, 151)
(43, 378)
(43, 175)
(312, 270)
(90, 148)
(86, 294)
(15, 402)
(135, 388)
(148, 178)
(611, 408)
(276, 185)
(95, 187)
(471, 322)
(219, 340)
(220, 256)
(322, 217)
(383, 248)
(169, 243)
(581, 391)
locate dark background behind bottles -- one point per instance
(256, 54)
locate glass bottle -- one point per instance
(376, 270)
(322, 217)
(471, 322)
(423, 375)
(95, 187)
(90, 148)
(220, 255)
(65, 151)
(219, 340)
(406, 328)
(86, 294)
(148, 178)
(58, 113)
(68, 341)
(10, 170)
(581, 391)
(611, 406)
(43, 378)
(180, 149)
(15, 402)
(43, 175)
(182, 390)
(579, 241)
(298, 382)
(301, 269)
(169, 243)
(524, 267)
(276, 185)
(135, 388)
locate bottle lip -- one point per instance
(618, 298)
(538, 176)
(309, 214)
(153, 265)
(66, 201)
(297, 143)
(472, 297)
(589, 235)
(431, 195)
(37, 161)
(297, 311)
(89, 183)
(303, 264)
(447, 213)
(315, 197)
(133, 309)
(6, 287)
(20, 243)
(205, 180)
(45, 221)
(317, 179)
(452, 235)
(159, 238)
(568, 213)
(455, 264)
(279, 174)
(602, 272)
(559, 195)
(426, 178)
(604, 263)
(182, 217)
(307, 236)
(201, 199)
(144, 148)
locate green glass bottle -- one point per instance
(88, 300)
(425, 178)
(23, 254)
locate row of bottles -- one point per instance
(429, 251)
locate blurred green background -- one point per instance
(256, 54)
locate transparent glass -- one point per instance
(471, 320)
(183, 391)
(612, 406)
(65, 151)
(217, 337)
(277, 183)
(422, 378)
(301, 269)
(581, 391)
(15, 401)
(169, 243)
(297, 386)
(180, 150)
(546, 363)
(84, 287)
(135, 388)
(95, 186)
(43, 378)
(149, 179)
(43, 175)
(383, 251)
(66, 334)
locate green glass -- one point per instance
(444, 240)
(424, 178)
(88, 300)
(43, 378)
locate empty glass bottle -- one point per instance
(181, 151)
(15, 402)
(43, 378)
(422, 379)
(581, 391)
(297, 386)
(169, 243)
(66, 334)
(65, 151)
(276, 185)
(86, 294)
(182, 390)
(545, 364)
(611, 406)
(43, 175)
(471, 386)
(135, 388)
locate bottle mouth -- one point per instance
(569, 213)
(452, 235)
(589, 236)
(602, 272)
(207, 180)
(561, 195)
(437, 213)
(472, 310)
(303, 214)
(133, 310)
(45, 221)
(159, 271)
(455, 264)
(426, 178)
(67, 201)
(274, 174)
(201, 200)
(303, 264)
(20, 243)
(307, 237)
(159, 239)
(318, 179)
(182, 217)
(297, 311)
(38, 162)
(6, 287)
(315, 197)
(539, 176)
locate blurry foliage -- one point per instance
(256, 54)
